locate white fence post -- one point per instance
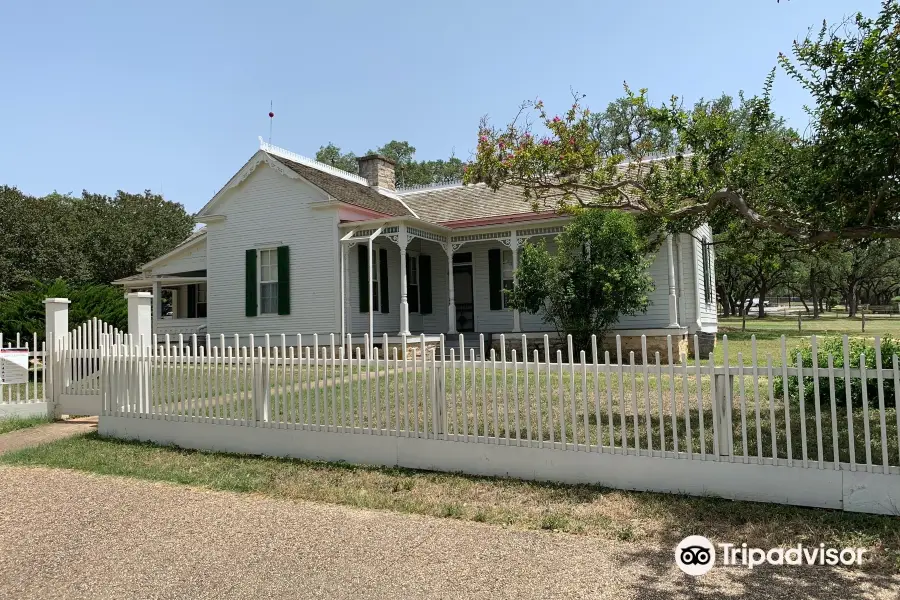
(724, 392)
(140, 323)
(56, 330)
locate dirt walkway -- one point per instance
(41, 434)
(65, 534)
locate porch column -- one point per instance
(451, 306)
(404, 305)
(344, 253)
(369, 346)
(514, 246)
(673, 299)
(156, 313)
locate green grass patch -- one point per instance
(658, 519)
(8, 424)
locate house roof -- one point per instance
(458, 203)
(347, 191)
(188, 241)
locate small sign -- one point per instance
(13, 365)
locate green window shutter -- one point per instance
(251, 284)
(362, 251)
(425, 284)
(284, 280)
(383, 280)
(192, 301)
(495, 279)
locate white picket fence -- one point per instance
(619, 421)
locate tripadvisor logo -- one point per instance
(696, 555)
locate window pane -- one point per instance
(268, 266)
(507, 285)
(268, 298)
(507, 264)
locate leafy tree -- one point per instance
(752, 264)
(867, 266)
(332, 155)
(407, 171)
(599, 272)
(39, 239)
(125, 231)
(839, 182)
(91, 238)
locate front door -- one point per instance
(462, 296)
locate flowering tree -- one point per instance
(678, 166)
(599, 272)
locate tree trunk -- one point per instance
(726, 301)
(852, 301)
(814, 291)
(762, 301)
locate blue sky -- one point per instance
(171, 96)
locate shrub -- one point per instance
(834, 345)
(23, 311)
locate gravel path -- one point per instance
(42, 434)
(65, 534)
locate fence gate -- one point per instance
(76, 368)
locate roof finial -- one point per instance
(271, 118)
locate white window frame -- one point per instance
(503, 277)
(259, 278)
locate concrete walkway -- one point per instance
(41, 434)
(65, 534)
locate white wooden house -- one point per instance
(291, 245)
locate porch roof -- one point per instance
(140, 280)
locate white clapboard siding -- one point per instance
(191, 258)
(269, 210)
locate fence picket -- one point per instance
(515, 365)
(754, 358)
(526, 396)
(646, 385)
(659, 406)
(494, 396)
(571, 393)
(817, 399)
(800, 390)
(863, 381)
(505, 390)
(674, 413)
(550, 427)
(787, 402)
(584, 398)
(881, 415)
(685, 391)
(848, 390)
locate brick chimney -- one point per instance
(378, 171)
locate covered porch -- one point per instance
(404, 277)
(179, 301)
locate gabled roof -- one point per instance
(345, 190)
(190, 240)
(458, 202)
